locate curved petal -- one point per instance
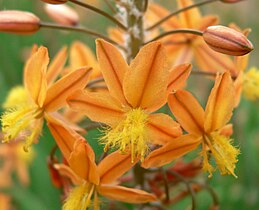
(189, 18)
(125, 194)
(162, 128)
(59, 91)
(99, 107)
(187, 111)
(113, 67)
(220, 103)
(81, 55)
(145, 84)
(56, 65)
(178, 76)
(65, 137)
(35, 75)
(114, 166)
(82, 161)
(66, 171)
(172, 150)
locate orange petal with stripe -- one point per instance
(113, 166)
(82, 161)
(125, 194)
(220, 103)
(145, 84)
(56, 65)
(187, 111)
(162, 128)
(178, 76)
(35, 75)
(172, 150)
(113, 67)
(59, 91)
(98, 106)
(63, 135)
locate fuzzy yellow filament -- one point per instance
(129, 134)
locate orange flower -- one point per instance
(182, 48)
(135, 92)
(92, 179)
(206, 127)
(41, 95)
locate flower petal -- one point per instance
(58, 92)
(125, 194)
(99, 107)
(114, 166)
(56, 65)
(82, 161)
(207, 21)
(146, 82)
(178, 76)
(113, 67)
(35, 75)
(81, 55)
(66, 171)
(63, 135)
(220, 103)
(187, 111)
(172, 150)
(189, 18)
(162, 128)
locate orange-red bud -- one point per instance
(18, 22)
(55, 1)
(62, 14)
(227, 40)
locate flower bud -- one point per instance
(230, 1)
(18, 22)
(62, 14)
(55, 1)
(227, 40)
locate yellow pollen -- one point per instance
(17, 95)
(251, 84)
(129, 135)
(20, 122)
(224, 153)
(80, 197)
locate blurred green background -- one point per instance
(241, 193)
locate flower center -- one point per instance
(224, 153)
(129, 134)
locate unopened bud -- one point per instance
(227, 40)
(230, 1)
(55, 1)
(18, 22)
(62, 14)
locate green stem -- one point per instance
(81, 30)
(101, 12)
(179, 11)
(177, 31)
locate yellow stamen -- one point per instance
(251, 84)
(129, 133)
(224, 153)
(80, 197)
(21, 122)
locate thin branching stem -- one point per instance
(165, 180)
(110, 6)
(177, 31)
(94, 82)
(81, 30)
(101, 12)
(179, 11)
(204, 73)
(189, 188)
